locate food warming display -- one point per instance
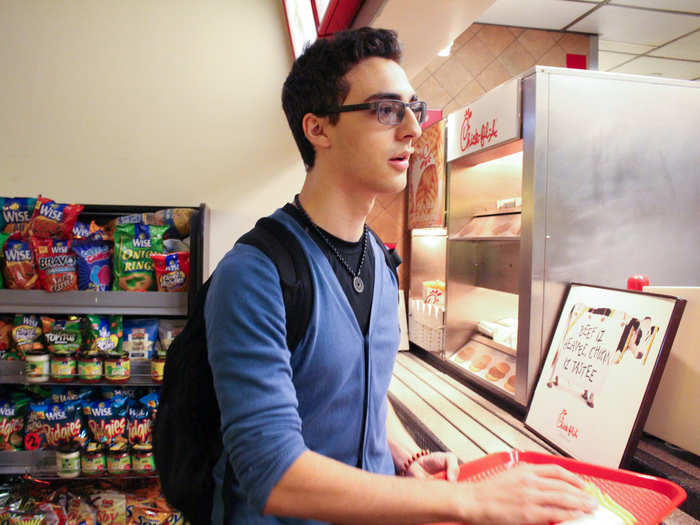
(555, 177)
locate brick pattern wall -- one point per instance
(482, 57)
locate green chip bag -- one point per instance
(3, 240)
(63, 337)
(105, 334)
(133, 246)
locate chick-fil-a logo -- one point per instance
(425, 156)
(468, 139)
(569, 429)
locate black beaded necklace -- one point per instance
(357, 283)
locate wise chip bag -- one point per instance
(140, 421)
(51, 219)
(172, 271)
(133, 246)
(56, 264)
(20, 271)
(107, 420)
(60, 423)
(16, 214)
(94, 260)
(12, 424)
(140, 337)
(26, 333)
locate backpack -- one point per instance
(187, 440)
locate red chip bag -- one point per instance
(172, 271)
(20, 271)
(52, 219)
(56, 263)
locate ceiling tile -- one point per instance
(555, 57)
(687, 6)
(661, 67)
(622, 47)
(687, 47)
(517, 59)
(542, 14)
(607, 60)
(453, 76)
(637, 26)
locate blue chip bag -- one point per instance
(140, 423)
(16, 213)
(140, 336)
(81, 230)
(94, 264)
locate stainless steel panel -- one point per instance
(620, 167)
(428, 261)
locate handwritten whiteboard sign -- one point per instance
(602, 370)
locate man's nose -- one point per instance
(409, 127)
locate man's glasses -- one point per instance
(389, 112)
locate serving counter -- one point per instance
(442, 413)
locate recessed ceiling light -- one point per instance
(446, 52)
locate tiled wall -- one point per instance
(485, 56)
(481, 58)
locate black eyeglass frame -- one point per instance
(376, 104)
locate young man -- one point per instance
(308, 431)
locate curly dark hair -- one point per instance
(316, 82)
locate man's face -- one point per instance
(365, 153)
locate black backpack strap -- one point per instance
(393, 259)
(278, 243)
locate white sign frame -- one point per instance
(602, 370)
(490, 120)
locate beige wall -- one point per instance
(148, 102)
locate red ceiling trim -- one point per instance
(339, 16)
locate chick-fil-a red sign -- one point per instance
(471, 137)
(492, 119)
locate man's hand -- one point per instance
(528, 494)
(429, 465)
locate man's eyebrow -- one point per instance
(389, 96)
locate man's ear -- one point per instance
(315, 130)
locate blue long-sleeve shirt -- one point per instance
(275, 404)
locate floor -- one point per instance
(446, 414)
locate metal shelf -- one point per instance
(38, 463)
(13, 373)
(486, 238)
(88, 302)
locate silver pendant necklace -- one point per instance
(357, 283)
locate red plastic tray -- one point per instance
(648, 498)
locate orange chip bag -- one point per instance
(56, 263)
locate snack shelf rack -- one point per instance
(41, 464)
(152, 304)
(14, 373)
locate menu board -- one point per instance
(602, 370)
(426, 179)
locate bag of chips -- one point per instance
(12, 415)
(56, 264)
(51, 219)
(26, 333)
(63, 337)
(107, 420)
(133, 246)
(6, 324)
(61, 423)
(19, 271)
(105, 334)
(17, 213)
(3, 239)
(140, 336)
(168, 329)
(172, 271)
(94, 259)
(140, 423)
